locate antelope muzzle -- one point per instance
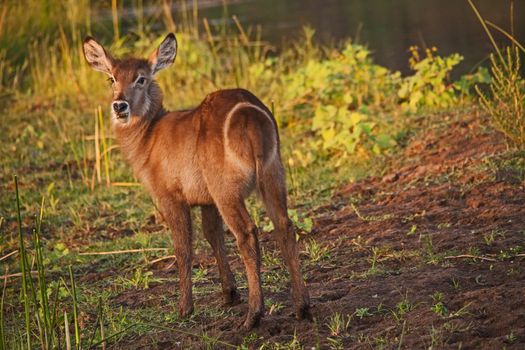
(121, 109)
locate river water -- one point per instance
(388, 27)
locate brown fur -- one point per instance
(212, 156)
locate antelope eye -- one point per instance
(141, 80)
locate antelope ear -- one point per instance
(164, 55)
(96, 56)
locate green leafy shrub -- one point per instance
(429, 86)
(339, 94)
(354, 105)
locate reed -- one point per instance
(73, 292)
(506, 103)
(46, 323)
(23, 268)
(3, 341)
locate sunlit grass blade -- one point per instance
(54, 313)
(489, 34)
(105, 151)
(23, 267)
(44, 303)
(97, 151)
(3, 344)
(104, 340)
(99, 321)
(508, 35)
(114, 16)
(66, 332)
(29, 289)
(75, 308)
(102, 333)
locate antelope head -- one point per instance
(136, 94)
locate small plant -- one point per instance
(140, 279)
(412, 230)
(275, 280)
(403, 307)
(436, 338)
(375, 255)
(293, 344)
(383, 217)
(335, 343)
(430, 255)
(200, 274)
(300, 220)
(511, 337)
(439, 307)
(362, 312)
(510, 253)
(338, 324)
(474, 251)
(489, 238)
(455, 283)
(461, 312)
(248, 341)
(315, 251)
(275, 307)
(443, 225)
(270, 258)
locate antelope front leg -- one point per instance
(177, 215)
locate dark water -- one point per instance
(388, 27)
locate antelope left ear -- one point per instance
(164, 55)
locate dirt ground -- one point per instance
(398, 265)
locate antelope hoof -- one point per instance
(231, 297)
(303, 313)
(185, 310)
(252, 320)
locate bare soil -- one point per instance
(393, 242)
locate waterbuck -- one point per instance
(212, 156)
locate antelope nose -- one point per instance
(120, 106)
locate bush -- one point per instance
(354, 105)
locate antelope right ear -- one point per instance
(96, 56)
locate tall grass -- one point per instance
(506, 103)
(42, 325)
(20, 29)
(23, 268)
